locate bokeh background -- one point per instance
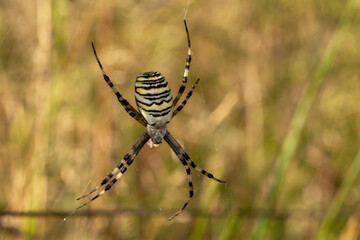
(276, 114)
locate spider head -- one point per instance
(156, 133)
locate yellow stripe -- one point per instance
(148, 78)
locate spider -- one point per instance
(156, 108)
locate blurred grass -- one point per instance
(62, 130)
(330, 220)
(293, 137)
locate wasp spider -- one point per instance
(156, 108)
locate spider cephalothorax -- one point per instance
(156, 108)
(156, 133)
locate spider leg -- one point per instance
(191, 188)
(128, 108)
(119, 170)
(112, 174)
(180, 152)
(179, 108)
(187, 68)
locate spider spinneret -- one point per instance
(156, 108)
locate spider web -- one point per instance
(62, 224)
(53, 233)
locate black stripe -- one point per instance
(120, 165)
(130, 161)
(108, 186)
(156, 103)
(94, 198)
(192, 164)
(182, 88)
(160, 115)
(149, 74)
(150, 81)
(105, 181)
(107, 79)
(154, 98)
(153, 87)
(122, 100)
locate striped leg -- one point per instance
(128, 108)
(186, 161)
(119, 170)
(179, 108)
(191, 188)
(180, 152)
(187, 68)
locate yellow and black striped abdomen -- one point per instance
(154, 98)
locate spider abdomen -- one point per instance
(153, 98)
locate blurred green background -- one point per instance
(276, 114)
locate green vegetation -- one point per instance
(276, 114)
